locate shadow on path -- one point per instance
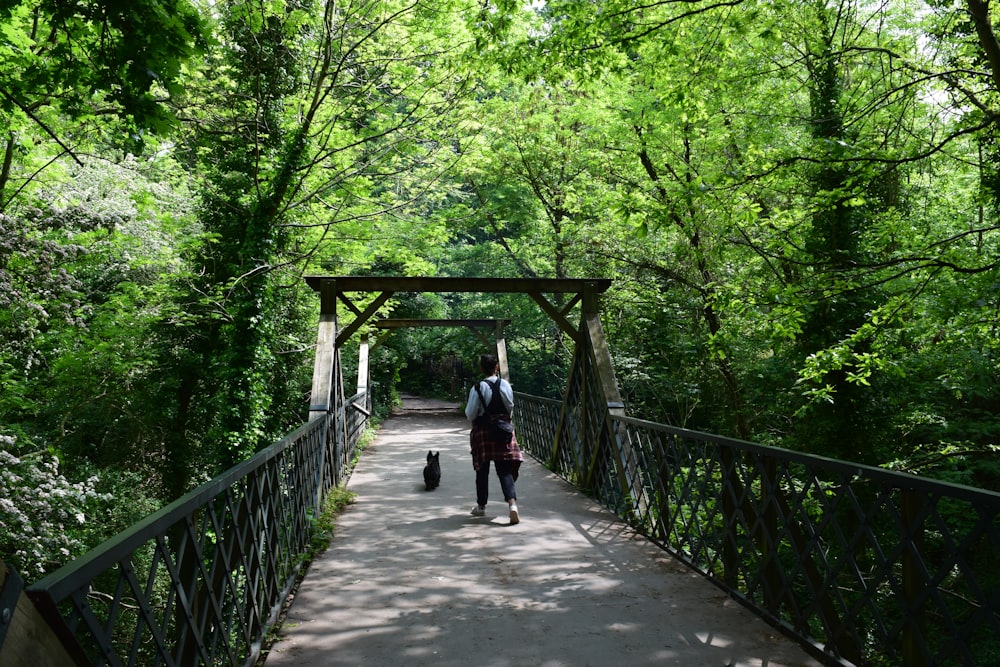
(412, 579)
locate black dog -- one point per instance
(432, 471)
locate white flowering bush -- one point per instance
(42, 514)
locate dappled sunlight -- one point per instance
(714, 640)
(411, 578)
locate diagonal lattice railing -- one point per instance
(866, 565)
(201, 581)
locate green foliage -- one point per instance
(800, 236)
(83, 59)
(81, 372)
(324, 525)
(766, 212)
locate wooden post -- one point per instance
(323, 367)
(603, 365)
(618, 447)
(363, 372)
(25, 636)
(363, 365)
(502, 352)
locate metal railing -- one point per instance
(202, 581)
(861, 564)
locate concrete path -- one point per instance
(412, 579)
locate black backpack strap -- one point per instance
(482, 401)
(496, 406)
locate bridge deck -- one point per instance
(412, 579)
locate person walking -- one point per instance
(487, 445)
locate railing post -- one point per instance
(770, 489)
(914, 614)
(187, 642)
(730, 554)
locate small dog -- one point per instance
(432, 471)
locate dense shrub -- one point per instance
(42, 513)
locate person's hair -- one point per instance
(488, 363)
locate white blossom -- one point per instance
(36, 504)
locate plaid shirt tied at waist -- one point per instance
(486, 449)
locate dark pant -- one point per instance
(505, 473)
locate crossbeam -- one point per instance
(584, 290)
(327, 389)
(408, 323)
(433, 284)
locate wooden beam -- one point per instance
(362, 318)
(572, 302)
(405, 323)
(558, 317)
(389, 325)
(479, 334)
(496, 285)
(585, 289)
(26, 638)
(350, 304)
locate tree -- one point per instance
(772, 183)
(65, 67)
(318, 129)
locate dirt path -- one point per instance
(412, 579)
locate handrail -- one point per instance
(862, 565)
(201, 581)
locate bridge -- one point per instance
(412, 578)
(855, 565)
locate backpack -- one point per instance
(500, 428)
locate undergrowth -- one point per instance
(323, 527)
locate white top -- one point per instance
(473, 408)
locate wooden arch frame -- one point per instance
(327, 389)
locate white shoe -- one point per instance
(478, 510)
(514, 518)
